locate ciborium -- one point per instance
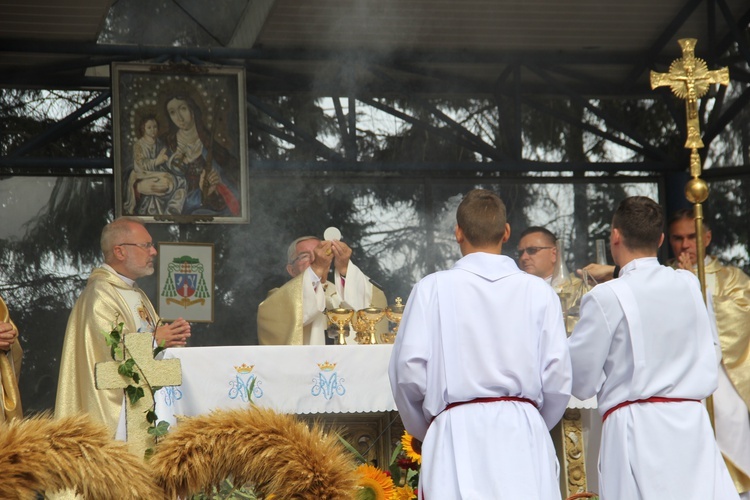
(340, 316)
(367, 319)
(394, 312)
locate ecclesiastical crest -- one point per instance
(185, 284)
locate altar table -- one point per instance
(288, 379)
(344, 388)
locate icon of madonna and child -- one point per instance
(181, 167)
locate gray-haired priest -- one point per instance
(293, 314)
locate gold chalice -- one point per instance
(370, 317)
(394, 312)
(363, 333)
(340, 316)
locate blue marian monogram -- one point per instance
(243, 381)
(171, 394)
(328, 383)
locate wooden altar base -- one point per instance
(374, 435)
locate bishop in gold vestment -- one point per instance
(293, 314)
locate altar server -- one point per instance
(645, 345)
(480, 370)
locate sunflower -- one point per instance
(374, 483)
(405, 492)
(412, 447)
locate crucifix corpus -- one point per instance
(152, 373)
(689, 79)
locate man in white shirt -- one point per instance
(293, 314)
(480, 369)
(646, 347)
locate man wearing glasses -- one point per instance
(293, 314)
(111, 296)
(537, 252)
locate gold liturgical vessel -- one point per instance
(340, 316)
(394, 312)
(367, 318)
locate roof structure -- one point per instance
(519, 51)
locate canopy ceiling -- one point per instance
(603, 47)
(580, 49)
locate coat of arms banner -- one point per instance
(186, 281)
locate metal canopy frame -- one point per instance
(525, 79)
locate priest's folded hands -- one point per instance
(174, 334)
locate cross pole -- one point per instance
(689, 79)
(153, 373)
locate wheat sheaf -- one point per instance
(276, 453)
(40, 454)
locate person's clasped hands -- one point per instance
(328, 252)
(174, 334)
(8, 335)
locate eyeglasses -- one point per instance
(302, 257)
(531, 250)
(146, 246)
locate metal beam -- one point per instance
(669, 32)
(321, 149)
(471, 170)
(650, 150)
(60, 128)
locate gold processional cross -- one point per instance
(689, 78)
(153, 373)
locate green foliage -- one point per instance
(250, 391)
(129, 368)
(113, 338)
(228, 491)
(159, 430)
(357, 455)
(134, 393)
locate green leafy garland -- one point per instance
(130, 369)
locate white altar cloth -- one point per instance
(288, 379)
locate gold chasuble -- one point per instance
(100, 307)
(280, 316)
(10, 370)
(730, 293)
(731, 296)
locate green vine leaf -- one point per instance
(134, 393)
(126, 368)
(113, 338)
(151, 416)
(160, 429)
(161, 347)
